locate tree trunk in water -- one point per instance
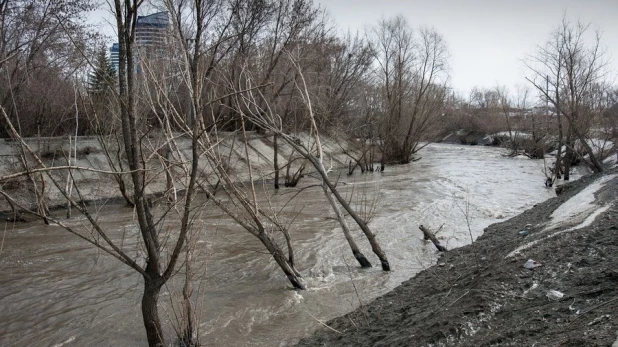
(288, 269)
(123, 191)
(150, 314)
(360, 257)
(428, 235)
(43, 209)
(375, 246)
(170, 190)
(110, 162)
(351, 168)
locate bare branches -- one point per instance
(57, 168)
(565, 72)
(412, 78)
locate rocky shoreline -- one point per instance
(482, 295)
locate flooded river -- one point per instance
(56, 290)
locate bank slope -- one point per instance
(481, 295)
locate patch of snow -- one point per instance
(515, 134)
(588, 221)
(555, 151)
(599, 145)
(579, 206)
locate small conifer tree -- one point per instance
(102, 79)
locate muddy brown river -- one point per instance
(56, 290)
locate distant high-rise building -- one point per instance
(151, 34)
(113, 55)
(151, 30)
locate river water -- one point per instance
(56, 290)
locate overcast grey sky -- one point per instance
(487, 39)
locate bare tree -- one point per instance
(313, 152)
(564, 71)
(364, 128)
(36, 65)
(519, 121)
(37, 60)
(412, 73)
(242, 206)
(505, 104)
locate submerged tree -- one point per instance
(412, 75)
(249, 101)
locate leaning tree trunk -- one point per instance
(319, 166)
(375, 246)
(288, 269)
(593, 161)
(16, 213)
(428, 235)
(326, 186)
(360, 257)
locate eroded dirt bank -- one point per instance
(479, 295)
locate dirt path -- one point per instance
(479, 296)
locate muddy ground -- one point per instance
(476, 296)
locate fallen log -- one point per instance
(428, 235)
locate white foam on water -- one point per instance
(67, 341)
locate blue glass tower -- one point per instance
(113, 55)
(150, 37)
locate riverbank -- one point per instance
(102, 164)
(482, 295)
